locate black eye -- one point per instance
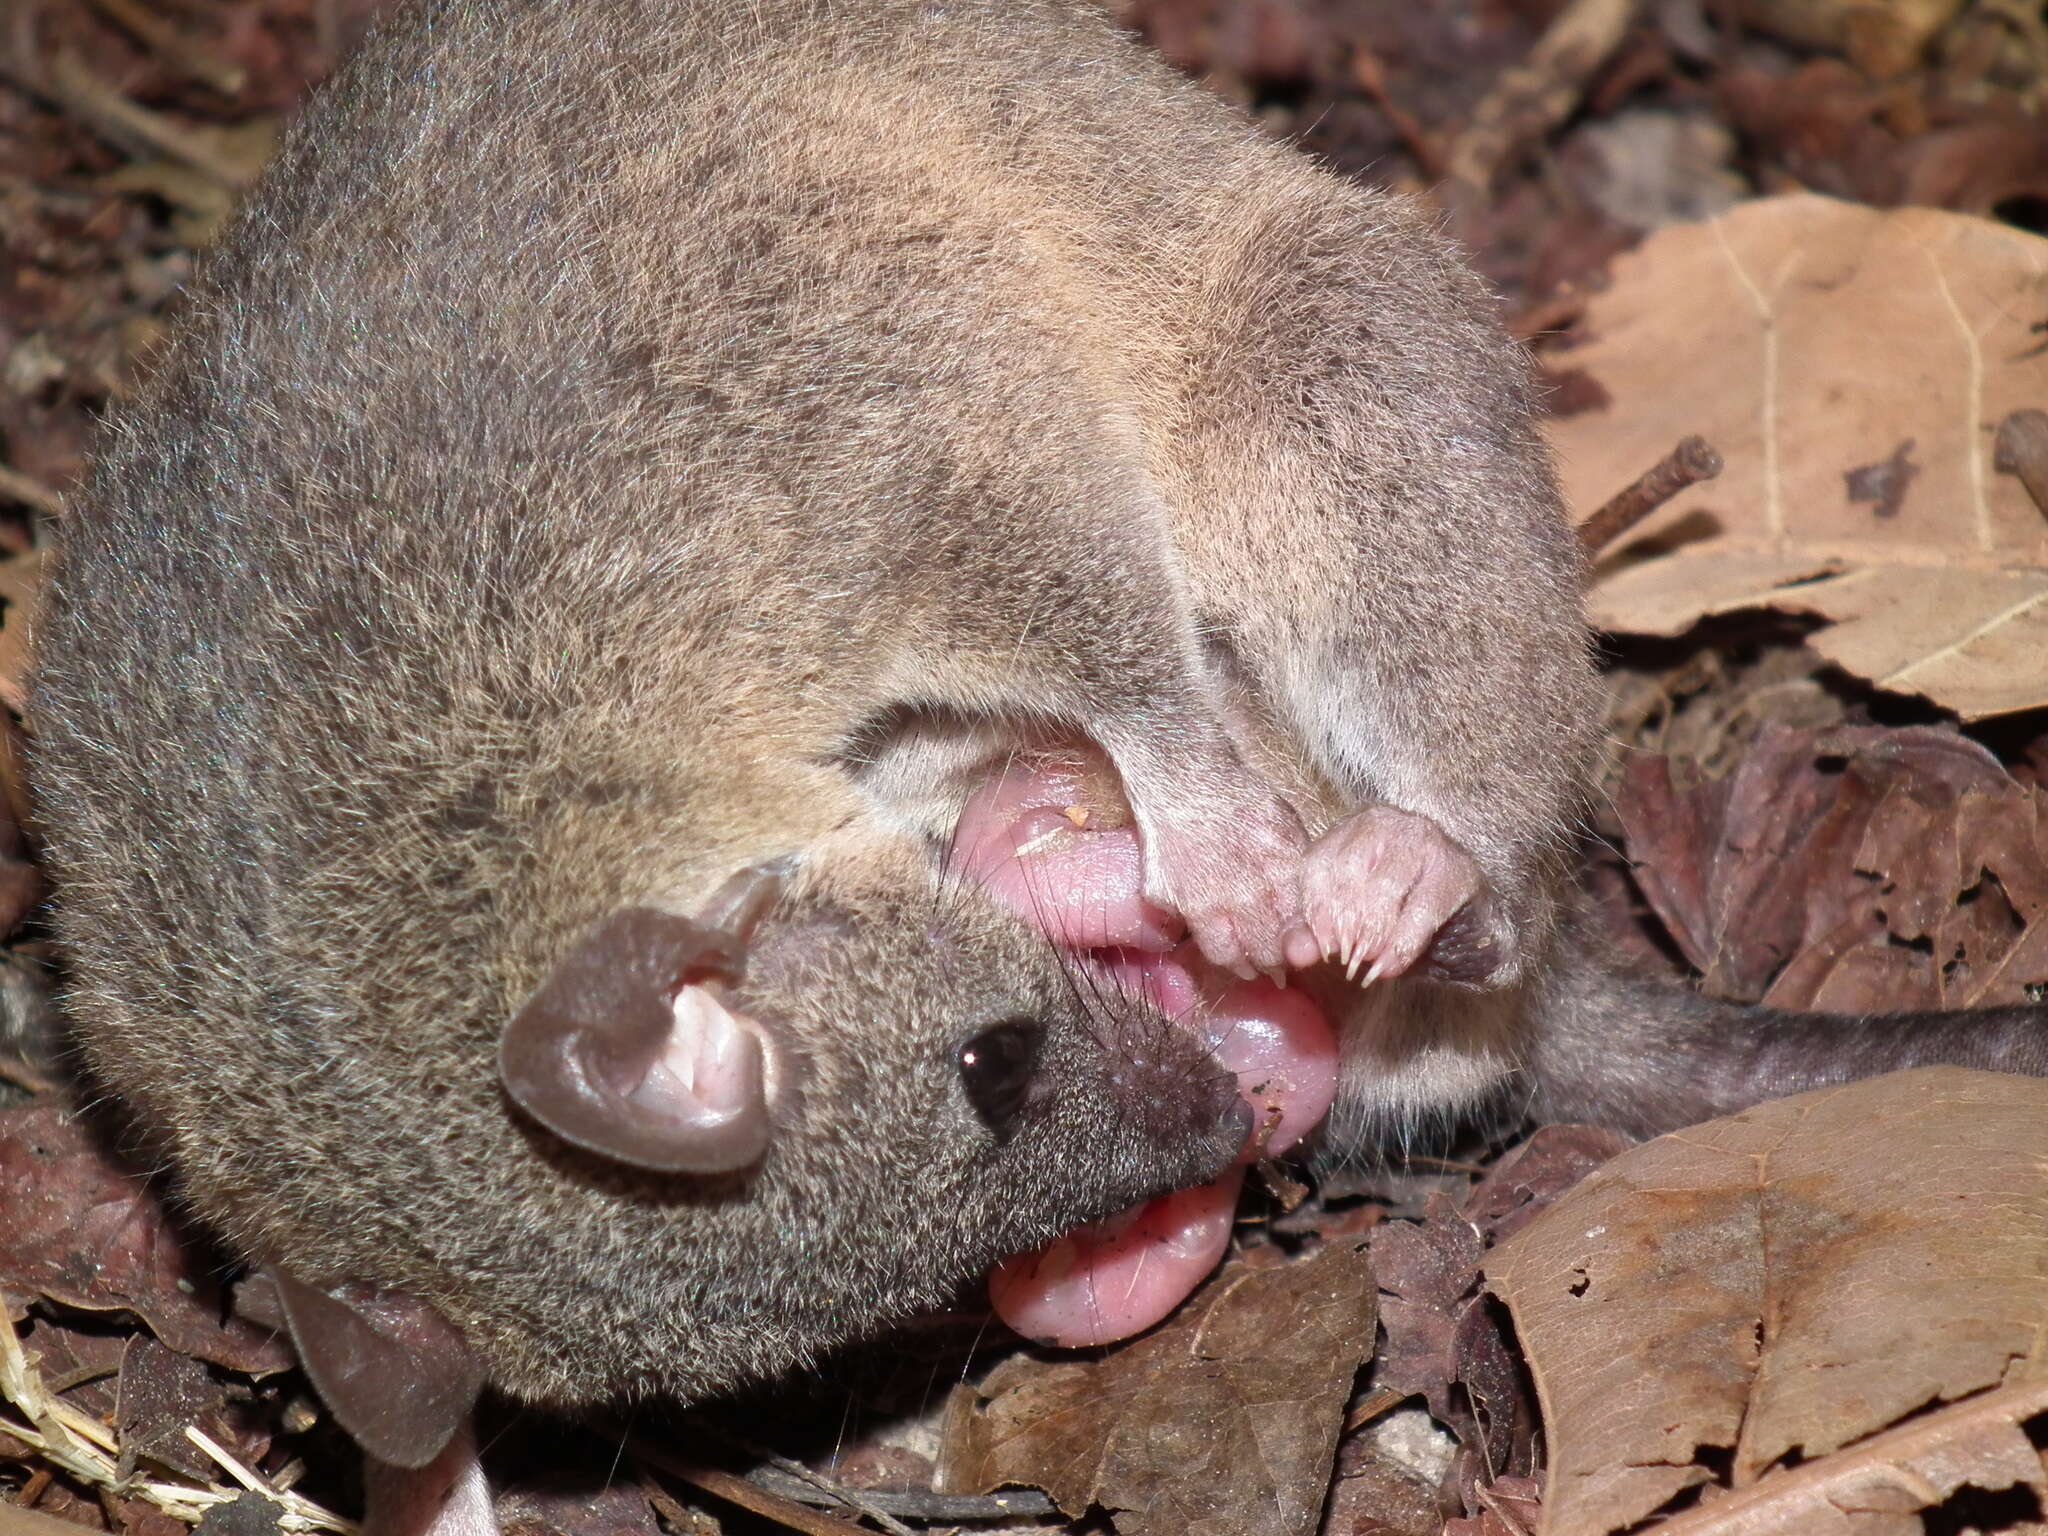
(996, 1068)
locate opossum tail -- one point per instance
(1608, 1047)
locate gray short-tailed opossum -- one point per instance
(631, 471)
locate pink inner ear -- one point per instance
(711, 1074)
(612, 1056)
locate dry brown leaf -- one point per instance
(1375, 1497)
(609, 1509)
(1851, 365)
(1529, 1179)
(1223, 1423)
(1850, 870)
(1885, 37)
(1877, 1488)
(85, 1232)
(1786, 1283)
(162, 1392)
(1428, 1270)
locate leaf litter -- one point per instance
(1851, 869)
(1852, 367)
(1776, 830)
(1211, 1424)
(1731, 1305)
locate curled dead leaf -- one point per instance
(1850, 869)
(80, 1229)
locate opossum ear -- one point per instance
(629, 1051)
(396, 1374)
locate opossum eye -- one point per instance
(996, 1068)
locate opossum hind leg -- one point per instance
(1220, 846)
(1094, 635)
(1360, 437)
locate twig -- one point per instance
(920, 1504)
(827, 1489)
(1529, 100)
(1547, 316)
(2021, 450)
(749, 1496)
(1376, 1403)
(79, 1444)
(228, 1462)
(1497, 1505)
(30, 492)
(1692, 461)
(781, 1477)
(128, 124)
(173, 47)
(1372, 79)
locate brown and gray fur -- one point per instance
(626, 440)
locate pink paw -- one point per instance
(1236, 883)
(1386, 890)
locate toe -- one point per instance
(1303, 946)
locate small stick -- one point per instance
(30, 492)
(1692, 461)
(858, 1500)
(1379, 1401)
(1372, 79)
(176, 49)
(2021, 450)
(1497, 1505)
(930, 1508)
(1532, 98)
(126, 124)
(757, 1500)
(1547, 317)
(750, 1496)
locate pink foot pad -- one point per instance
(1386, 889)
(1235, 879)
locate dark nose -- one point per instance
(1178, 1095)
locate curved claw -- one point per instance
(1388, 892)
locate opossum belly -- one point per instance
(1051, 838)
